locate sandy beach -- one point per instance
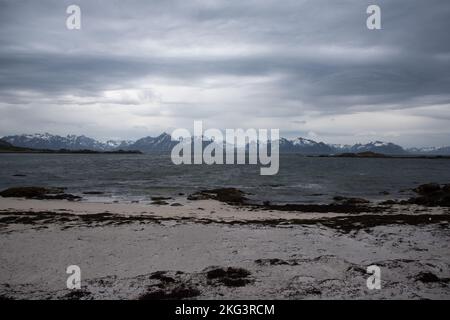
(207, 249)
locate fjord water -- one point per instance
(300, 179)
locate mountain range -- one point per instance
(164, 143)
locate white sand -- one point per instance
(116, 260)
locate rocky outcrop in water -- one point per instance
(38, 193)
(227, 195)
(432, 195)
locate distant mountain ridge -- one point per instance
(164, 143)
(430, 150)
(69, 142)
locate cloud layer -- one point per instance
(310, 68)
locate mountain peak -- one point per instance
(303, 141)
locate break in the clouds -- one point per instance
(310, 68)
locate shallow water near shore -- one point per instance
(300, 179)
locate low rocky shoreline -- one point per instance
(430, 195)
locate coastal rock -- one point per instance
(432, 195)
(38, 193)
(160, 202)
(228, 195)
(176, 204)
(93, 192)
(427, 189)
(161, 276)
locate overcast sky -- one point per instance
(310, 68)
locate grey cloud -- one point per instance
(313, 56)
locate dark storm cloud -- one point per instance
(317, 56)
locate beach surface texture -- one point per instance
(211, 249)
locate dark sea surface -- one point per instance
(300, 179)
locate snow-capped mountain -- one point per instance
(341, 147)
(430, 151)
(442, 151)
(308, 146)
(118, 144)
(69, 142)
(53, 142)
(305, 146)
(378, 147)
(303, 142)
(3, 143)
(164, 143)
(422, 150)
